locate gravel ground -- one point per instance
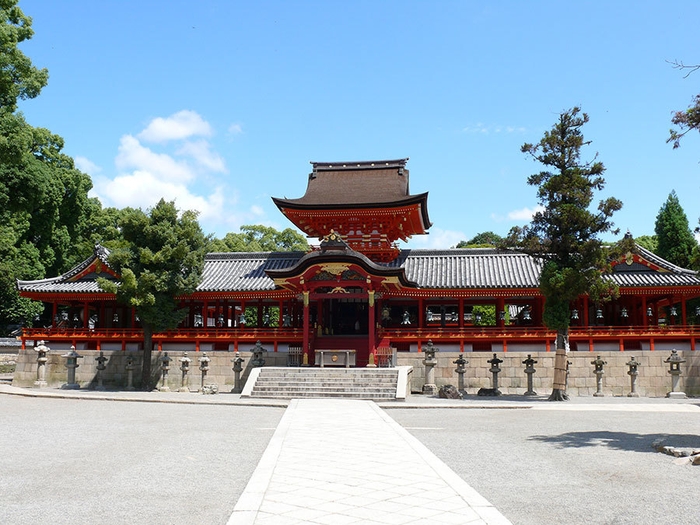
(70, 461)
(96, 461)
(541, 467)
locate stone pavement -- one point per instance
(345, 461)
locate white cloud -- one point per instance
(486, 129)
(437, 239)
(524, 214)
(201, 153)
(180, 125)
(235, 129)
(161, 165)
(87, 166)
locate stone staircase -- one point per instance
(355, 383)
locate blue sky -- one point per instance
(221, 105)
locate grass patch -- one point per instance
(7, 369)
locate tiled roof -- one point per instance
(355, 183)
(242, 272)
(475, 268)
(67, 283)
(470, 268)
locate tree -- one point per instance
(675, 240)
(650, 242)
(19, 79)
(162, 259)
(259, 238)
(688, 119)
(481, 240)
(564, 236)
(44, 208)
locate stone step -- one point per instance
(358, 383)
(330, 388)
(348, 395)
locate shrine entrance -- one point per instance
(343, 323)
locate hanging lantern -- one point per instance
(599, 314)
(624, 313)
(650, 312)
(574, 314)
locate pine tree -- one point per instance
(675, 240)
(565, 235)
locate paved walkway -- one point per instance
(344, 461)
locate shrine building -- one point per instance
(357, 289)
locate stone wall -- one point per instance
(115, 376)
(653, 379)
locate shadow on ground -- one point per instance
(619, 440)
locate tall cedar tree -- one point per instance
(162, 259)
(675, 240)
(564, 236)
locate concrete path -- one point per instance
(343, 461)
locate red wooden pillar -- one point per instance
(645, 317)
(684, 312)
(306, 328)
(500, 307)
(372, 329)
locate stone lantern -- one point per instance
(529, 370)
(430, 388)
(101, 367)
(633, 372)
(674, 362)
(495, 369)
(237, 369)
(598, 365)
(165, 368)
(71, 364)
(258, 355)
(204, 367)
(184, 368)
(41, 358)
(461, 370)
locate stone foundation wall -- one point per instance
(115, 376)
(653, 379)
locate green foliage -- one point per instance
(161, 259)
(675, 240)
(686, 121)
(259, 238)
(565, 235)
(19, 79)
(481, 240)
(650, 242)
(487, 314)
(45, 214)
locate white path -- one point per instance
(338, 462)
